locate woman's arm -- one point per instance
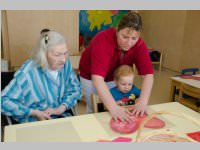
(116, 111)
(141, 103)
(147, 84)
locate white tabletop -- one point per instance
(93, 127)
(194, 83)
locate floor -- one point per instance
(160, 92)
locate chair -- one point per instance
(158, 62)
(73, 110)
(6, 77)
(97, 104)
(193, 101)
(156, 58)
(189, 71)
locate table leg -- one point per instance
(172, 92)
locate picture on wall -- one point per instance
(93, 21)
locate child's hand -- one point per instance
(140, 108)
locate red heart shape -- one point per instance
(155, 123)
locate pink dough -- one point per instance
(126, 128)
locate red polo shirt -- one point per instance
(102, 56)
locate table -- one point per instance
(93, 127)
(177, 82)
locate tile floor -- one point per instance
(160, 92)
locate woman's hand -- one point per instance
(55, 111)
(40, 115)
(121, 113)
(140, 108)
(50, 111)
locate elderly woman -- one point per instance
(45, 86)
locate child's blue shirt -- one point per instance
(118, 95)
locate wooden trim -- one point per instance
(189, 103)
(5, 37)
(95, 101)
(76, 52)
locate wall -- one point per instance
(191, 41)
(23, 29)
(176, 34)
(164, 30)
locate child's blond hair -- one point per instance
(123, 70)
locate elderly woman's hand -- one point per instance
(51, 111)
(40, 115)
(55, 111)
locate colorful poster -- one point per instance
(93, 21)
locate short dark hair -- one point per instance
(131, 20)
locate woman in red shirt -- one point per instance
(108, 50)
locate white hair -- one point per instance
(45, 43)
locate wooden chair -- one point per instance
(158, 62)
(156, 57)
(98, 105)
(194, 97)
